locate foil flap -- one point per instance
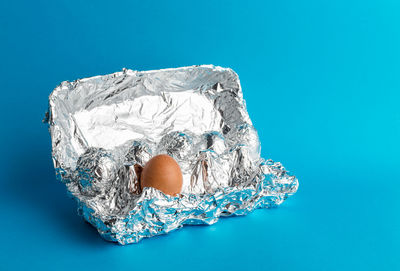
(104, 127)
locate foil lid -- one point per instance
(104, 127)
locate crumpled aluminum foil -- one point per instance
(104, 127)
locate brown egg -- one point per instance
(162, 172)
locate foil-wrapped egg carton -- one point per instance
(105, 128)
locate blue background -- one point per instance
(322, 85)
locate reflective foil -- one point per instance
(104, 128)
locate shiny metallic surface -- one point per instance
(105, 128)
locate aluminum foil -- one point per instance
(104, 128)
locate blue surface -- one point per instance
(322, 85)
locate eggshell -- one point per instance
(162, 172)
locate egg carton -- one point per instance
(104, 128)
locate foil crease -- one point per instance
(105, 128)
